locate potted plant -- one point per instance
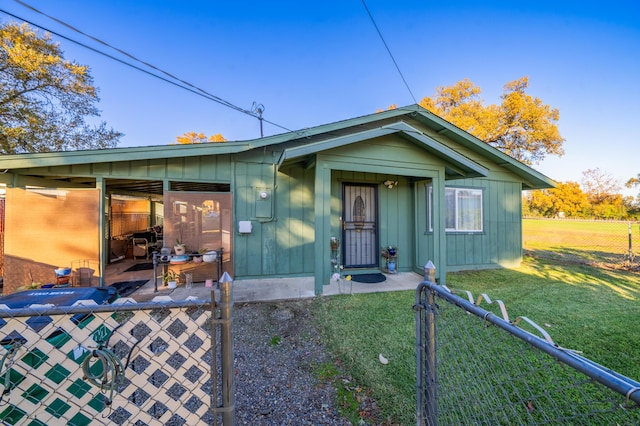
(210, 256)
(171, 278)
(392, 251)
(180, 248)
(334, 243)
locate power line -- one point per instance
(388, 50)
(184, 84)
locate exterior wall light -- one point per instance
(390, 183)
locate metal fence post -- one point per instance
(630, 233)
(214, 356)
(226, 354)
(425, 308)
(431, 400)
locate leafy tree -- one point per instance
(537, 203)
(567, 198)
(612, 207)
(635, 181)
(521, 126)
(44, 99)
(600, 186)
(193, 137)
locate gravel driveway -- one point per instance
(276, 347)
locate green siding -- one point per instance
(282, 245)
(207, 168)
(501, 240)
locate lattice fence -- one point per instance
(475, 367)
(126, 363)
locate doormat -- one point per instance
(140, 267)
(369, 278)
(126, 288)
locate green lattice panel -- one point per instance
(35, 358)
(12, 415)
(35, 393)
(167, 381)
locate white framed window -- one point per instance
(463, 209)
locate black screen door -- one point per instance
(360, 226)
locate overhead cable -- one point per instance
(388, 50)
(183, 83)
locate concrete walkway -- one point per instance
(279, 289)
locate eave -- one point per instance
(62, 158)
(456, 163)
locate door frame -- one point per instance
(376, 225)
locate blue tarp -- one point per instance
(55, 296)
(58, 296)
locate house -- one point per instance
(403, 178)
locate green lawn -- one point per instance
(598, 241)
(592, 310)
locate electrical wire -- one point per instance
(183, 84)
(386, 47)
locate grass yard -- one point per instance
(584, 308)
(594, 241)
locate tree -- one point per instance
(521, 126)
(600, 186)
(45, 99)
(603, 192)
(635, 181)
(193, 137)
(567, 199)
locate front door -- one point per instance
(360, 225)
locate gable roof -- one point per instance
(458, 163)
(315, 139)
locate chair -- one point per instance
(140, 247)
(82, 273)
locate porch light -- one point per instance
(390, 183)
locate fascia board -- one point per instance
(313, 148)
(442, 150)
(45, 159)
(536, 179)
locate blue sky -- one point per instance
(311, 63)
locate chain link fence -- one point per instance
(476, 367)
(612, 244)
(125, 363)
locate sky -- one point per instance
(312, 63)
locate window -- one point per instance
(463, 209)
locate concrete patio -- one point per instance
(284, 288)
(257, 290)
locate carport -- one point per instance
(68, 217)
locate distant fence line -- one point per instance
(607, 243)
(476, 367)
